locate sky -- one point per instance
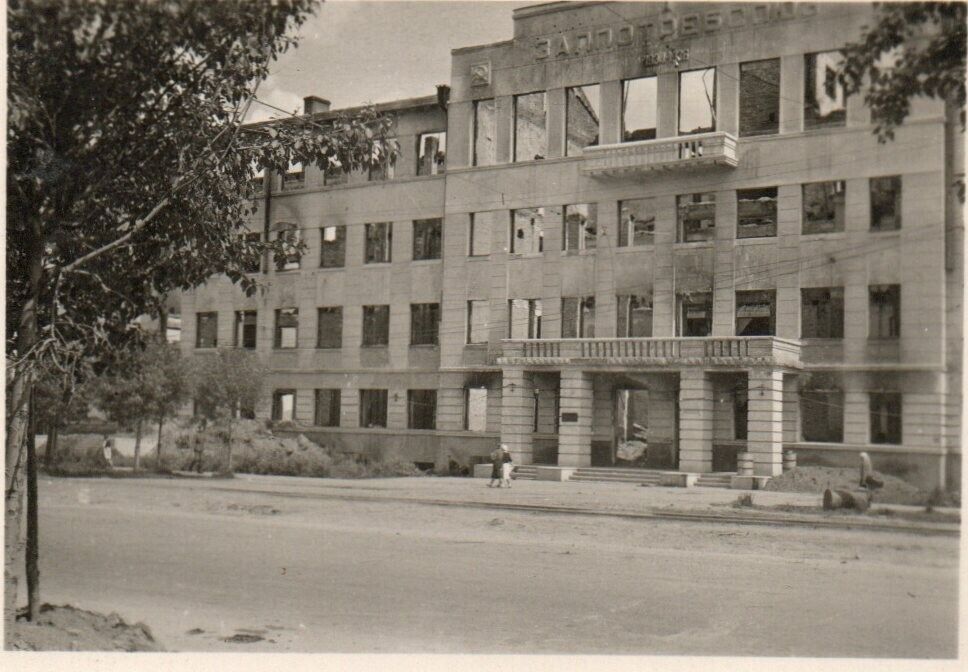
(354, 52)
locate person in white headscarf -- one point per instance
(506, 464)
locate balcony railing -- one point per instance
(709, 351)
(678, 153)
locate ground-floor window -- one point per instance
(373, 408)
(284, 405)
(822, 415)
(475, 409)
(327, 408)
(422, 409)
(885, 417)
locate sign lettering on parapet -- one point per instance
(667, 26)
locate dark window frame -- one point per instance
(876, 189)
(882, 298)
(333, 405)
(334, 341)
(829, 321)
(370, 317)
(422, 409)
(754, 223)
(277, 396)
(826, 406)
(770, 296)
(624, 315)
(202, 341)
(687, 327)
(240, 317)
(337, 257)
(424, 334)
(886, 410)
(428, 236)
(278, 328)
(374, 402)
(374, 240)
(823, 218)
(690, 228)
(745, 102)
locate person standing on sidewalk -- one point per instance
(507, 464)
(497, 462)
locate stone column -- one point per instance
(575, 438)
(517, 414)
(611, 112)
(764, 424)
(695, 421)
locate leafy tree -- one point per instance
(60, 398)
(129, 173)
(913, 49)
(229, 383)
(172, 384)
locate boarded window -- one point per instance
(432, 153)
(379, 238)
(422, 409)
(697, 101)
(756, 212)
(481, 226)
(885, 417)
(583, 114)
(332, 247)
(578, 317)
(824, 206)
(580, 227)
(206, 330)
(824, 102)
(253, 263)
(329, 327)
(290, 236)
(287, 327)
(475, 409)
(822, 312)
(284, 405)
(524, 318)
(756, 313)
(634, 316)
(530, 127)
(426, 238)
(759, 97)
(424, 323)
(327, 408)
(376, 326)
(477, 320)
(696, 214)
(381, 164)
(527, 230)
(485, 144)
(885, 203)
(695, 314)
(373, 408)
(636, 222)
(885, 311)
(245, 329)
(822, 415)
(639, 104)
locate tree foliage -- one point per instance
(913, 49)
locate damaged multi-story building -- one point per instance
(645, 235)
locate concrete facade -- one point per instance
(554, 400)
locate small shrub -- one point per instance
(743, 501)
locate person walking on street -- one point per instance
(507, 464)
(497, 461)
(108, 451)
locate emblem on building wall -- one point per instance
(481, 74)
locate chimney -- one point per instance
(314, 105)
(443, 95)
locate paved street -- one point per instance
(312, 574)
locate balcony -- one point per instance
(730, 351)
(680, 153)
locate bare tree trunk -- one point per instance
(230, 445)
(33, 534)
(161, 422)
(50, 454)
(137, 446)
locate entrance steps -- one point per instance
(525, 472)
(717, 480)
(619, 475)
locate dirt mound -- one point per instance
(818, 479)
(67, 628)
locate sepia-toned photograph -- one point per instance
(481, 332)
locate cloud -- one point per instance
(271, 92)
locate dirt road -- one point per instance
(200, 565)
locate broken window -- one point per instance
(583, 114)
(206, 330)
(636, 222)
(824, 206)
(421, 409)
(327, 408)
(475, 409)
(697, 101)
(695, 314)
(824, 101)
(485, 145)
(759, 97)
(530, 127)
(379, 237)
(376, 326)
(373, 408)
(696, 215)
(580, 225)
(381, 163)
(756, 212)
(332, 247)
(329, 327)
(822, 415)
(885, 417)
(294, 178)
(432, 153)
(287, 327)
(424, 323)
(426, 238)
(639, 104)
(527, 230)
(524, 318)
(886, 203)
(885, 311)
(254, 262)
(334, 176)
(481, 225)
(245, 329)
(578, 317)
(822, 312)
(258, 181)
(477, 320)
(756, 313)
(284, 405)
(634, 316)
(290, 236)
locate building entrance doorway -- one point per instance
(639, 440)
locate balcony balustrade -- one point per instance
(679, 153)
